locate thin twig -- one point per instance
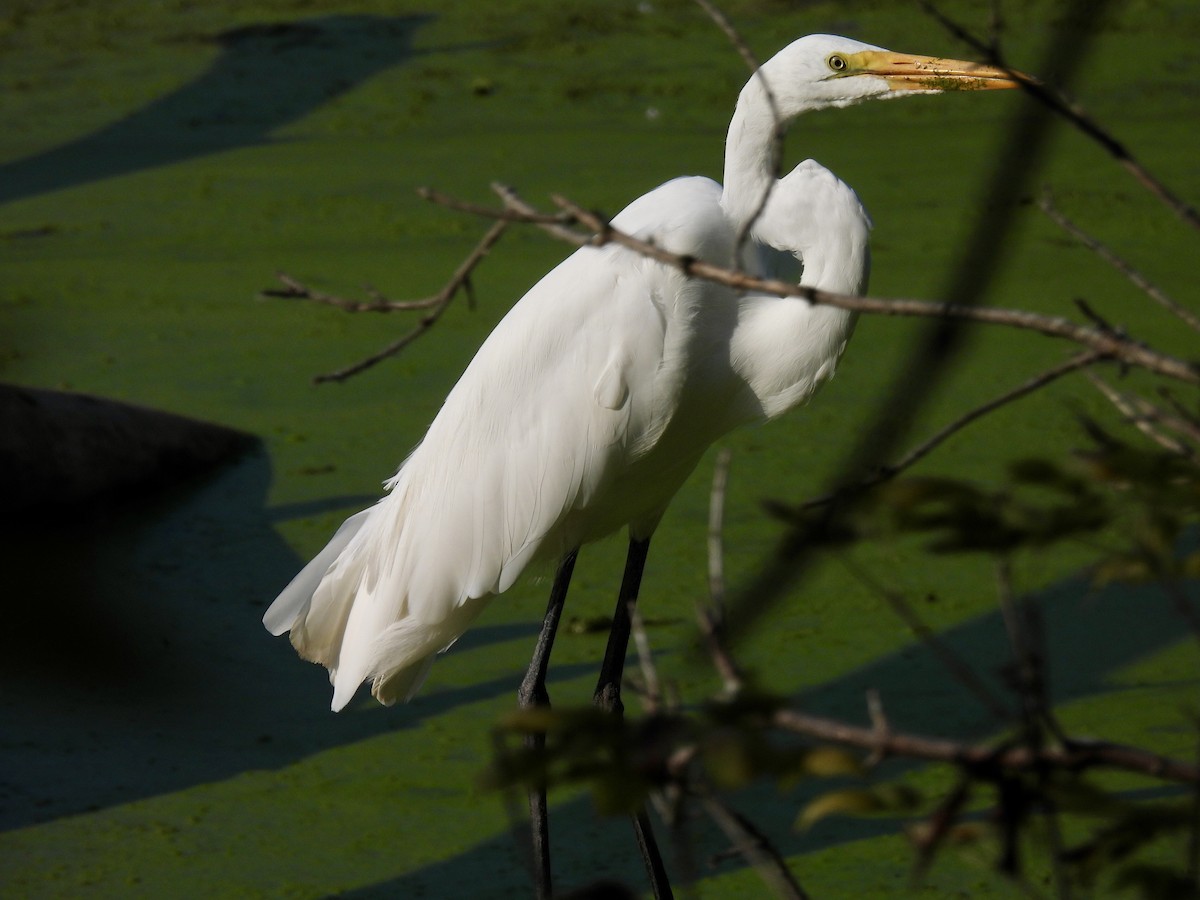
(1103, 341)
(711, 616)
(1027, 637)
(734, 36)
(1136, 278)
(1146, 417)
(779, 129)
(1184, 413)
(516, 210)
(995, 29)
(1026, 665)
(951, 661)
(716, 533)
(1075, 755)
(928, 837)
(1183, 605)
(1074, 114)
(651, 692)
(731, 675)
(294, 289)
(460, 280)
(752, 845)
(919, 452)
(1193, 844)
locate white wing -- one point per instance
(817, 218)
(785, 349)
(574, 386)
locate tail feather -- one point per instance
(350, 613)
(292, 605)
(401, 581)
(399, 659)
(402, 684)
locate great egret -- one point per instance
(595, 397)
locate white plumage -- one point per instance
(595, 397)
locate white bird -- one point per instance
(597, 394)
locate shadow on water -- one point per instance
(265, 77)
(141, 666)
(1090, 635)
(142, 669)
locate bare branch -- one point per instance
(952, 662)
(1183, 412)
(517, 210)
(735, 37)
(711, 616)
(1193, 845)
(1103, 341)
(751, 844)
(923, 449)
(1075, 756)
(995, 29)
(780, 127)
(716, 540)
(437, 304)
(1026, 636)
(1183, 605)
(1073, 113)
(651, 692)
(294, 289)
(1146, 418)
(1046, 205)
(1076, 116)
(930, 834)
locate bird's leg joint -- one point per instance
(532, 693)
(608, 698)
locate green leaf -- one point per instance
(537, 720)
(617, 793)
(727, 759)
(857, 802)
(829, 762)
(1122, 568)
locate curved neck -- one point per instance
(751, 152)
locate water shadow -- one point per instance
(1090, 635)
(137, 664)
(141, 670)
(265, 77)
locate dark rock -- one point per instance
(61, 449)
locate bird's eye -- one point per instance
(837, 63)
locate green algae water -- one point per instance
(160, 162)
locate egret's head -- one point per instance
(823, 70)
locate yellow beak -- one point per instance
(906, 72)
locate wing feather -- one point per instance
(575, 383)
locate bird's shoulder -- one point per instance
(811, 190)
(683, 215)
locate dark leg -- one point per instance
(533, 694)
(608, 696)
(608, 688)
